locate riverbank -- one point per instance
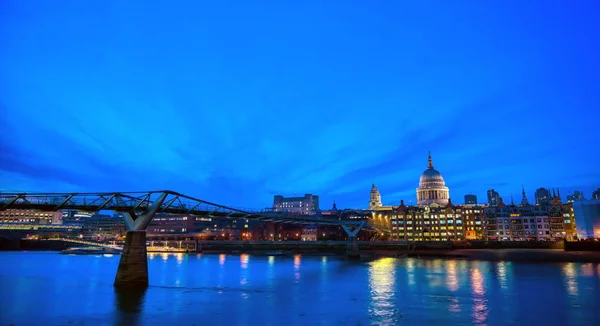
(516, 255)
(504, 251)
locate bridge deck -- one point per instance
(138, 202)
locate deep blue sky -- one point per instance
(233, 103)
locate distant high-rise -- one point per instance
(470, 199)
(493, 197)
(577, 195)
(542, 196)
(307, 205)
(596, 194)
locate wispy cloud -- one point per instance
(267, 103)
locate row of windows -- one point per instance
(428, 222)
(421, 228)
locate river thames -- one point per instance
(48, 288)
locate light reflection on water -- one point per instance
(451, 278)
(220, 289)
(570, 278)
(479, 309)
(382, 279)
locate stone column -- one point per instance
(352, 250)
(133, 267)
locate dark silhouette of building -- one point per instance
(542, 196)
(577, 195)
(470, 199)
(596, 194)
(493, 197)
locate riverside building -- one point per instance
(435, 218)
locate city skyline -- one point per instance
(307, 98)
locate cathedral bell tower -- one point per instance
(375, 198)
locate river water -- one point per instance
(47, 288)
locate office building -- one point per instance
(542, 196)
(493, 197)
(470, 200)
(577, 195)
(307, 205)
(595, 195)
(587, 218)
(30, 216)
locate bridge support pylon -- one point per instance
(352, 250)
(133, 266)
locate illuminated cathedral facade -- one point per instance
(432, 187)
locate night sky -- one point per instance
(233, 103)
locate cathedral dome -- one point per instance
(432, 187)
(431, 175)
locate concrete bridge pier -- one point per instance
(352, 251)
(133, 266)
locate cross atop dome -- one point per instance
(429, 162)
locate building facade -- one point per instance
(307, 205)
(30, 216)
(374, 198)
(587, 218)
(432, 188)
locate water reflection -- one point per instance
(568, 270)
(297, 260)
(330, 292)
(128, 303)
(244, 258)
(164, 256)
(179, 257)
(480, 309)
(501, 274)
(382, 281)
(451, 279)
(587, 269)
(410, 269)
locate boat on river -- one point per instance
(90, 251)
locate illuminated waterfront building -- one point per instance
(435, 218)
(432, 222)
(30, 216)
(307, 205)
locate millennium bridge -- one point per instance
(138, 209)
